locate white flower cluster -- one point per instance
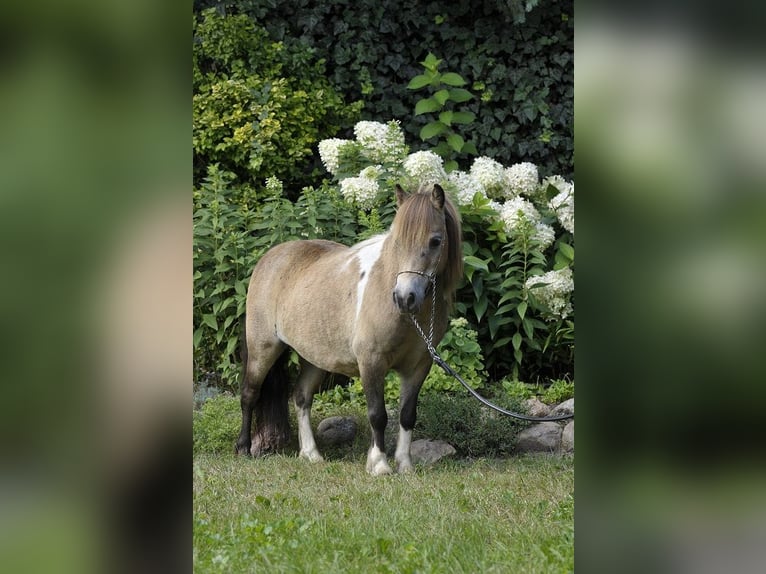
(563, 203)
(553, 289)
(329, 151)
(467, 186)
(274, 186)
(522, 178)
(513, 211)
(364, 189)
(425, 167)
(491, 176)
(383, 143)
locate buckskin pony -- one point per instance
(349, 310)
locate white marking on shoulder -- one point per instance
(367, 254)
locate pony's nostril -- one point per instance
(410, 299)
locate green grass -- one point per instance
(283, 514)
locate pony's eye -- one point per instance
(435, 242)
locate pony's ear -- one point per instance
(401, 195)
(437, 196)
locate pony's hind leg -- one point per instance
(310, 379)
(255, 370)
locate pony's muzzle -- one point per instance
(408, 293)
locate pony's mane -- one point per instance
(414, 219)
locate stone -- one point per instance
(337, 430)
(565, 408)
(537, 408)
(540, 437)
(427, 451)
(567, 438)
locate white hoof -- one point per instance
(405, 467)
(312, 456)
(376, 463)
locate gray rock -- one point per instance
(337, 430)
(567, 438)
(565, 408)
(427, 451)
(540, 437)
(537, 408)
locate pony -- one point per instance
(350, 311)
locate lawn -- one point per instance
(283, 514)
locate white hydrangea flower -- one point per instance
(522, 178)
(426, 167)
(329, 152)
(513, 209)
(554, 294)
(371, 172)
(563, 203)
(360, 190)
(490, 175)
(544, 235)
(381, 142)
(467, 186)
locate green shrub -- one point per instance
(559, 390)
(517, 57)
(460, 349)
(216, 425)
(471, 428)
(259, 107)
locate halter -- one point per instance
(432, 278)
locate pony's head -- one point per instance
(426, 234)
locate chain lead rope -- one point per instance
(428, 339)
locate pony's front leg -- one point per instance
(376, 412)
(310, 379)
(410, 389)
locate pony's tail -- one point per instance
(272, 419)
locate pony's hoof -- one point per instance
(405, 468)
(242, 449)
(380, 468)
(312, 456)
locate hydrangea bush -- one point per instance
(518, 242)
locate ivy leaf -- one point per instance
(453, 79)
(427, 106)
(209, 320)
(197, 337)
(470, 148)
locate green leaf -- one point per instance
(418, 82)
(446, 117)
(567, 250)
(431, 62)
(197, 337)
(441, 96)
(470, 148)
(427, 106)
(209, 320)
(516, 340)
(480, 307)
(432, 129)
(475, 262)
(455, 142)
(450, 166)
(521, 309)
(463, 117)
(460, 95)
(453, 79)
